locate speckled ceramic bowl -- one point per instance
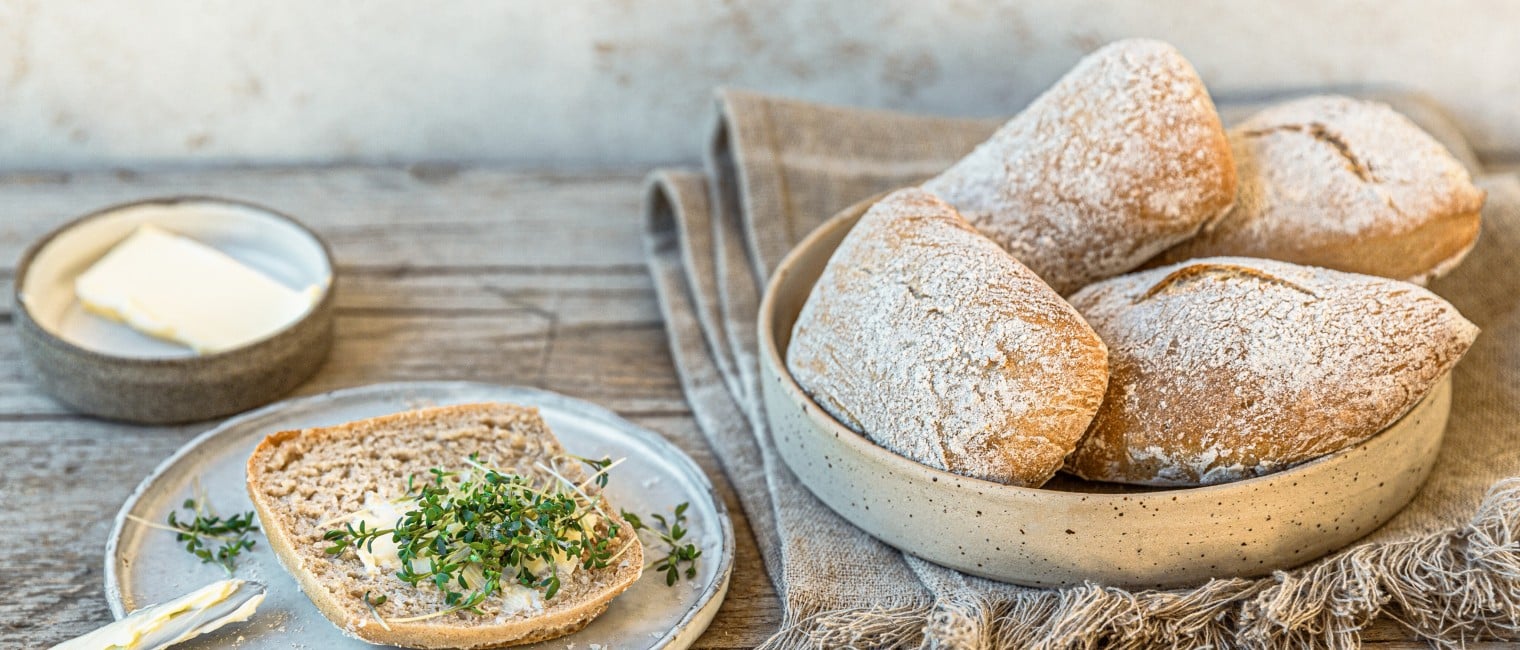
(1070, 530)
(106, 369)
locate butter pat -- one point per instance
(178, 289)
(381, 514)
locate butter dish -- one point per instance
(99, 365)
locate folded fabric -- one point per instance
(776, 168)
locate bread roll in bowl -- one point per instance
(1228, 368)
(934, 342)
(1345, 184)
(1122, 158)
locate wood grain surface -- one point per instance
(444, 273)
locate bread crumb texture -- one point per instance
(1122, 158)
(932, 341)
(304, 483)
(1229, 368)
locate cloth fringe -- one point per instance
(888, 626)
(1450, 587)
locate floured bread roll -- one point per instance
(1229, 367)
(1122, 158)
(1344, 184)
(932, 341)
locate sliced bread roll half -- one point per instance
(1229, 368)
(1122, 158)
(935, 343)
(1346, 184)
(308, 482)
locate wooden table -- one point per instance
(444, 273)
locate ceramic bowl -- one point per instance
(106, 369)
(1071, 531)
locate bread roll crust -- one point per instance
(1345, 184)
(1122, 158)
(935, 343)
(1229, 368)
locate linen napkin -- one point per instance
(1448, 567)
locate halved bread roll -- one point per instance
(934, 342)
(1122, 158)
(1345, 184)
(307, 482)
(1227, 368)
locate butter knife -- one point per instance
(181, 619)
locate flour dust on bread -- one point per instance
(306, 482)
(1122, 158)
(1345, 184)
(932, 341)
(1228, 368)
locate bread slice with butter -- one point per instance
(307, 482)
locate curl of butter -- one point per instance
(191, 615)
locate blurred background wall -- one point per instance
(576, 83)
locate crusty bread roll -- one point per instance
(1122, 158)
(1227, 368)
(304, 481)
(934, 342)
(1344, 184)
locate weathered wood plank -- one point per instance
(385, 217)
(595, 335)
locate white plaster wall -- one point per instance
(589, 83)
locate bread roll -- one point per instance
(932, 341)
(1344, 184)
(1228, 368)
(1122, 158)
(309, 481)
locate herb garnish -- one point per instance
(468, 534)
(231, 536)
(670, 533)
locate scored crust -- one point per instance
(935, 343)
(1122, 158)
(1346, 184)
(1227, 368)
(299, 480)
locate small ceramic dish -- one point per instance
(1072, 531)
(104, 368)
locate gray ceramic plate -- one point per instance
(144, 565)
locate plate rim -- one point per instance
(712, 595)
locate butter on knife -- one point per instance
(179, 620)
(178, 289)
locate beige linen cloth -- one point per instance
(1448, 566)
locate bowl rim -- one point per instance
(49, 337)
(771, 355)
